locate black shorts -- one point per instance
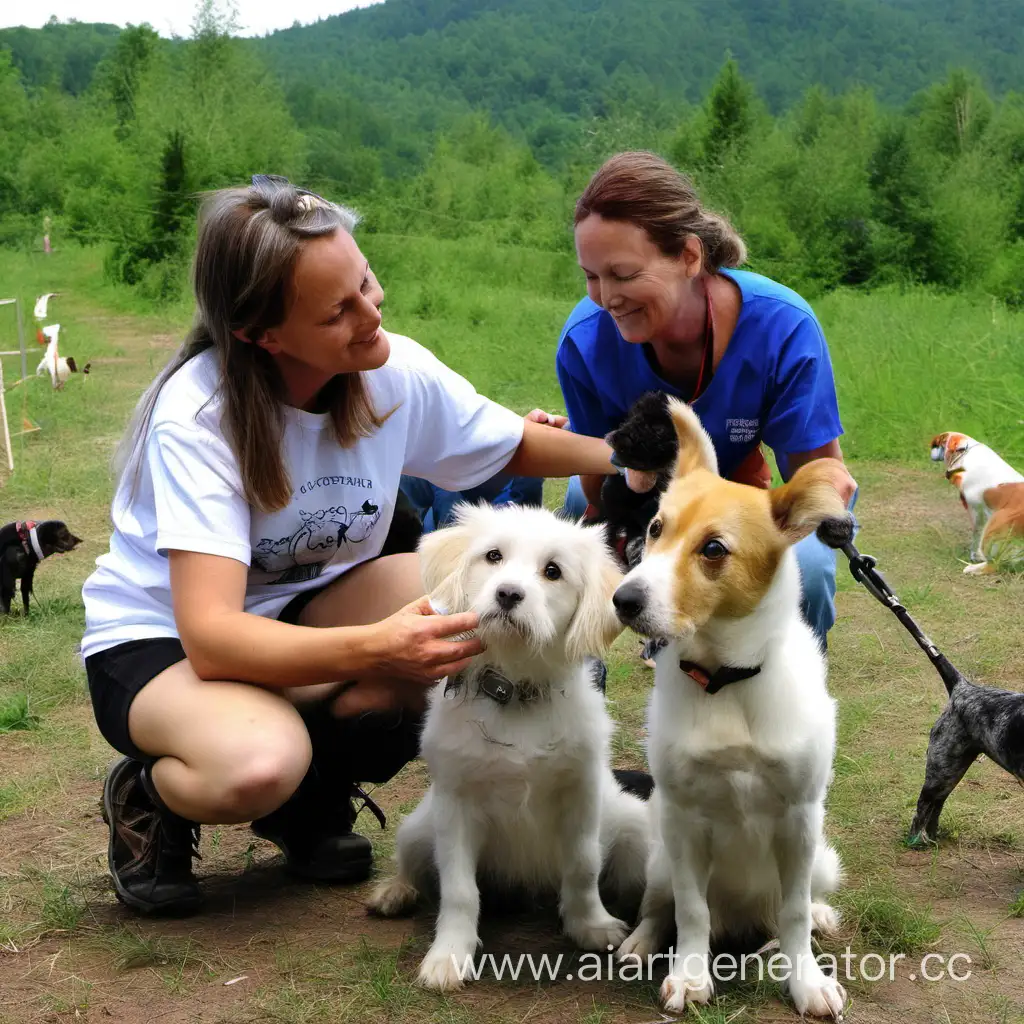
(117, 674)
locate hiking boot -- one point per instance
(313, 830)
(151, 848)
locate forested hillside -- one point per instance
(854, 142)
(577, 56)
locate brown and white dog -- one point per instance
(741, 723)
(991, 490)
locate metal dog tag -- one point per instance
(497, 687)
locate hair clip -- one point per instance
(269, 179)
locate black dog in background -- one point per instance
(23, 545)
(644, 441)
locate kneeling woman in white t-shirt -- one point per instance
(258, 484)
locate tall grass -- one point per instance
(908, 363)
(911, 364)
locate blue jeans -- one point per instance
(817, 563)
(435, 505)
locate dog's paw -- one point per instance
(979, 568)
(597, 933)
(824, 919)
(677, 992)
(817, 995)
(392, 897)
(918, 839)
(642, 944)
(444, 969)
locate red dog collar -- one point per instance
(712, 682)
(29, 540)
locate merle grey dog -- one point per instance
(976, 720)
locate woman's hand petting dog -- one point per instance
(416, 644)
(417, 648)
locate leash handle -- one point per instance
(862, 568)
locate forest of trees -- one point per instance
(856, 142)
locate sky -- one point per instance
(173, 17)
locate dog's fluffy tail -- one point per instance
(625, 837)
(827, 871)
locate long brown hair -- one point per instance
(248, 242)
(642, 188)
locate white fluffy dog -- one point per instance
(741, 725)
(521, 790)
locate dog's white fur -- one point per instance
(740, 783)
(521, 794)
(974, 468)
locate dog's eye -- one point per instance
(654, 530)
(552, 571)
(714, 550)
(493, 556)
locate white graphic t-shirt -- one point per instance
(189, 494)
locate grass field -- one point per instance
(908, 366)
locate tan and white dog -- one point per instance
(741, 724)
(990, 489)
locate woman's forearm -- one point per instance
(251, 648)
(546, 451)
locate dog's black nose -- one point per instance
(508, 596)
(629, 601)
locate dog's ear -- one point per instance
(441, 566)
(811, 499)
(595, 624)
(72, 365)
(696, 449)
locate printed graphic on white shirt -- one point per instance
(318, 539)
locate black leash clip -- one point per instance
(862, 568)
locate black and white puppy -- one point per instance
(976, 720)
(23, 545)
(646, 443)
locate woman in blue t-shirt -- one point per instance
(665, 312)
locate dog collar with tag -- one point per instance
(491, 683)
(712, 682)
(28, 538)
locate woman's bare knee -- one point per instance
(226, 752)
(260, 783)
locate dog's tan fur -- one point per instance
(756, 526)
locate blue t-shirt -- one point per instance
(774, 382)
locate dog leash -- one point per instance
(862, 568)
